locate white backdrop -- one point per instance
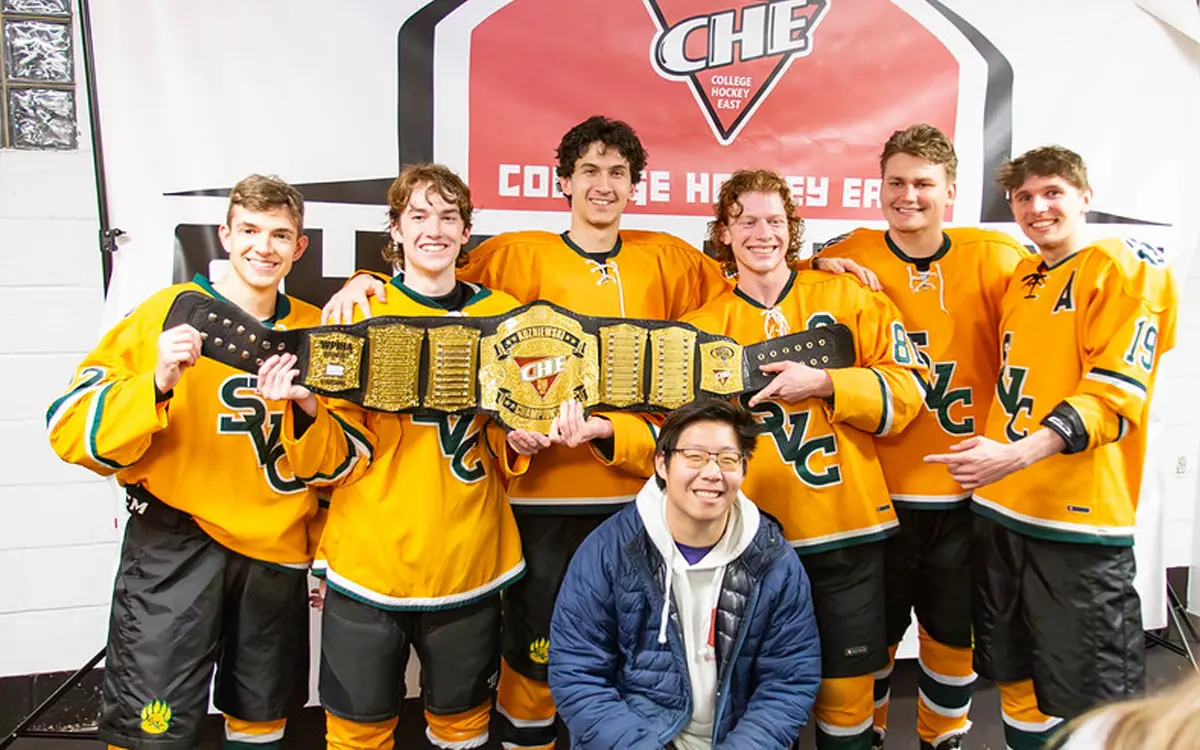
(194, 96)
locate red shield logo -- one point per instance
(541, 372)
(731, 52)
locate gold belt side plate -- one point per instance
(333, 360)
(532, 363)
(721, 368)
(671, 366)
(453, 359)
(394, 368)
(622, 364)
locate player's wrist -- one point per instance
(601, 428)
(1040, 444)
(825, 388)
(308, 404)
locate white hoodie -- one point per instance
(696, 589)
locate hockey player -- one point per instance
(947, 284)
(214, 563)
(422, 540)
(1057, 620)
(818, 473)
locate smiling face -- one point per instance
(701, 494)
(1050, 211)
(759, 235)
(431, 230)
(599, 186)
(262, 245)
(915, 194)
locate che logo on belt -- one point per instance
(535, 361)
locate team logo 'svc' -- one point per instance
(731, 57)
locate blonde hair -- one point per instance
(1168, 720)
(923, 141)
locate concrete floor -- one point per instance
(306, 731)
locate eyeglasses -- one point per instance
(698, 459)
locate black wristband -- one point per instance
(160, 397)
(1068, 425)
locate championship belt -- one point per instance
(518, 367)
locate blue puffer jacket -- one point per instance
(616, 686)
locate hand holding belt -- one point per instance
(518, 366)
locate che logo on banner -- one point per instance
(731, 57)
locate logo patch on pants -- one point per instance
(539, 651)
(156, 717)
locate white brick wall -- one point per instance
(58, 544)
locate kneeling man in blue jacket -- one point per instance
(685, 620)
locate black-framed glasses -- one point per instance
(696, 458)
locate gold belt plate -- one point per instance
(535, 361)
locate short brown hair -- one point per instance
(266, 193)
(923, 141)
(1045, 161)
(435, 177)
(728, 207)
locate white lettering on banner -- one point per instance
(769, 29)
(812, 191)
(861, 193)
(537, 182)
(509, 187)
(531, 181)
(660, 187)
(528, 181)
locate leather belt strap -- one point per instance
(518, 366)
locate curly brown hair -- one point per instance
(1046, 161)
(438, 178)
(599, 129)
(923, 141)
(728, 207)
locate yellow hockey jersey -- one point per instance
(423, 523)
(1079, 345)
(950, 303)
(816, 468)
(212, 450)
(646, 275)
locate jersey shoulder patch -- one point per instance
(1142, 268)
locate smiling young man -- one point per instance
(948, 284)
(214, 563)
(819, 473)
(685, 620)
(1057, 621)
(420, 540)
